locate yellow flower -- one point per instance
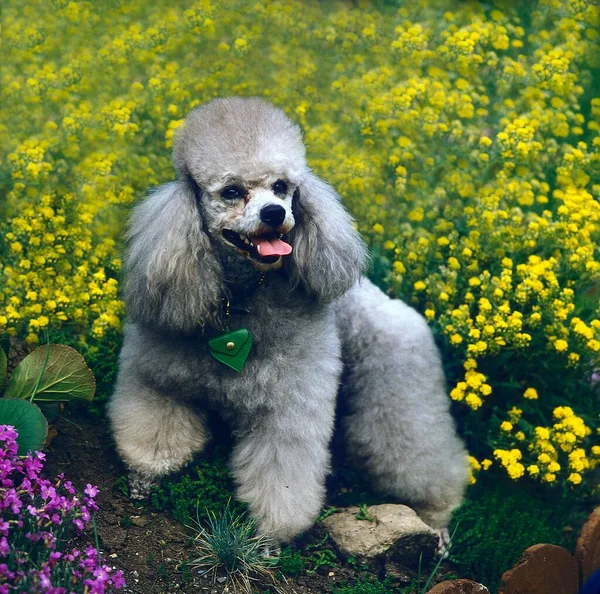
(561, 345)
(530, 394)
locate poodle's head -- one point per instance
(245, 159)
(244, 190)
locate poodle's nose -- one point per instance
(272, 215)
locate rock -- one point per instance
(395, 532)
(459, 587)
(587, 551)
(542, 569)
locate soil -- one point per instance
(149, 547)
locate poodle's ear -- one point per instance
(328, 255)
(173, 279)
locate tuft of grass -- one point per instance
(228, 543)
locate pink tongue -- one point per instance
(272, 247)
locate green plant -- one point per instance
(228, 543)
(366, 586)
(50, 374)
(125, 521)
(363, 514)
(206, 482)
(121, 485)
(320, 556)
(290, 562)
(497, 523)
(101, 354)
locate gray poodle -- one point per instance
(246, 296)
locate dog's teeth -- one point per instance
(258, 248)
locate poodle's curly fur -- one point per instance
(321, 331)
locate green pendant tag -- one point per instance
(232, 348)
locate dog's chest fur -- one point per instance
(291, 333)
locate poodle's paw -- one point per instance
(443, 548)
(139, 486)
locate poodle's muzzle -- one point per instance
(254, 223)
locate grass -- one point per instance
(227, 542)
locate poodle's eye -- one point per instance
(280, 187)
(233, 192)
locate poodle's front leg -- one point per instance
(155, 434)
(280, 466)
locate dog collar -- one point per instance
(232, 348)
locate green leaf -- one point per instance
(5, 342)
(28, 420)
(3, 369)
(65, 377)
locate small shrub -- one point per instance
(291, 562)
(228, 543)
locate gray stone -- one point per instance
(395, 532)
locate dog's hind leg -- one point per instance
(397, 423)
(154, 434)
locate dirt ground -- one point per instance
(149, 546)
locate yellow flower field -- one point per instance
(464, 138)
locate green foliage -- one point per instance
(497, 523)
(363, 514)
(204, 488)
(291, 562)
(320, 556)
(367, 586)
(52, 373)
(228, 543)
(3, 368)
(28, 420)
(101, 355)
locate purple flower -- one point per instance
(118, 580)
(37, 516)
(78, 524)
(91, 491)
